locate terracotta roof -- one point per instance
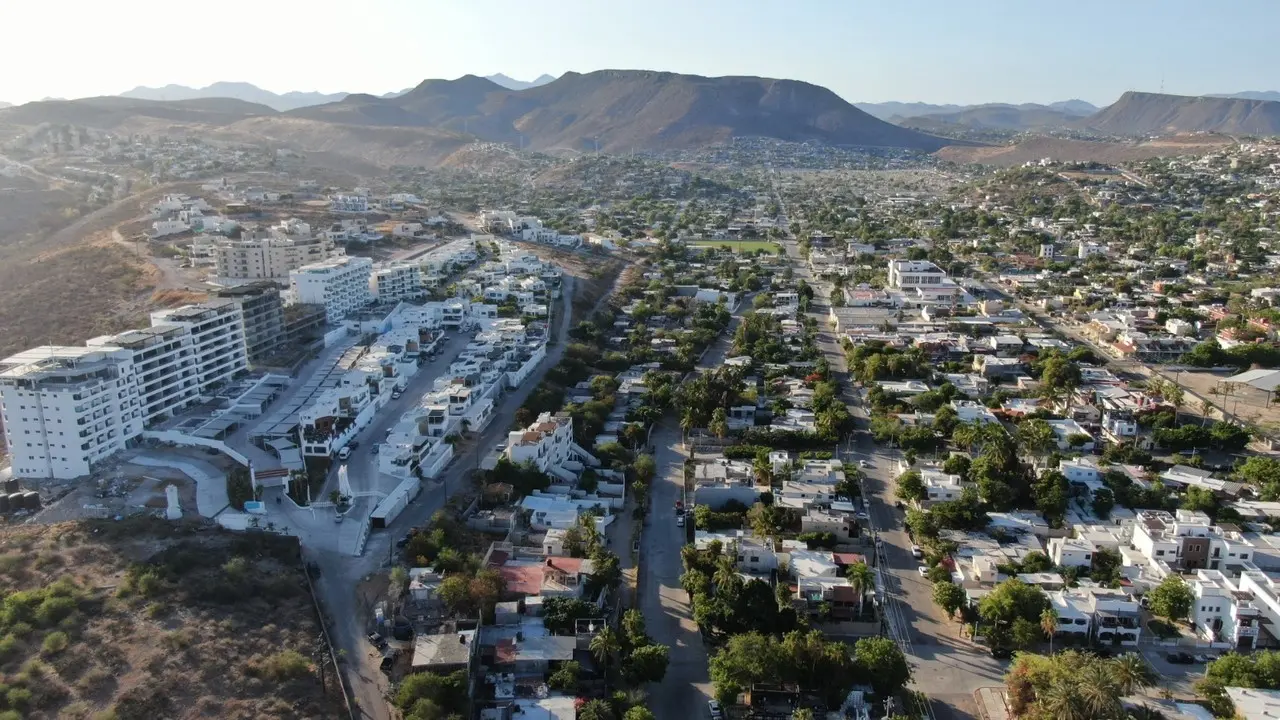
(567, 565)
(505, 651)
(525, 579)
(848, 558)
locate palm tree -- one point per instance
(689, 556)
(861, 579)
(1131, 673)
(604, 646)
(1098, 690)
(1049, 624)
(725, 572)
(1061, 701)
(1205, 408)
(966, 435)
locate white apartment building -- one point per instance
(1225, 611)
(548, 444)
(216, 329)
(340, 284)
(66, 408)
(1188, 541)
(395, 282)
(163, 364)
(911, 274)
(349, 203)
(272, 256)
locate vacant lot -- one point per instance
(741, 245)
(143, 619)
(1067, 150)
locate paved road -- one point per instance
(946, 668)
(685, 690)
(362, 466)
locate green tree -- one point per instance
(647, 664)
(719, 425)
(1049, 625)
(861, 580)
(949, 596)
(911, 486)
(885, 666)
(565, 678)
(605, 647)
(638, 713)
(1052, 493)
(1103, 501)
(596, 710)
(1026, 634)
(1171, 599)
(455, 593)
(1131, 673)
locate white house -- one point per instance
(549, 445)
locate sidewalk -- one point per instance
(991, 703)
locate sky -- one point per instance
(937, 51)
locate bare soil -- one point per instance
(146, 619)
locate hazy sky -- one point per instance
(939, 51)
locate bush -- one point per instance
(285, 665)
(55, 642)
(9, 647)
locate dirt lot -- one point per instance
(1065, 150)
(145, 619)
(1243, 401)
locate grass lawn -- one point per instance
(768, 246)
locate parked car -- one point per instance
(713, 707)
(924, 571)
(1202, 658)
(375, 449)
(337, 517)
(344, 453)
(898, 504)
(916, 552)
(395, 394)
(1180, 658)
(864, 463)
(1001, 653)
(679, 521)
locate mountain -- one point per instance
(624, 110)
(995, 117)
(891, 110)
(236, 90)
(1074, 107)
(111, 111)
(887, 110)
(1141, 113)
(512, 84)
(1268, 95)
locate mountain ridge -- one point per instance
(891, 109)
(1144, 113)
(624, 110)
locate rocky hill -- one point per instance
(108, 112)
(995, 117)
(1140, 113)
(236, 91)
(898, 110)
(624, 110)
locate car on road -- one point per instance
(864, 463)
(1001, 653)
(916, 552)
(679, 521)
(337, 517)
(924, 571)
(1202, 658)
(395, 394)
(713, 707)
(344, 453)
(1180, 658)
(898, 504)
(862, 515)
(375, 449)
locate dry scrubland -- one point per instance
(1066, 150)
(144, 620)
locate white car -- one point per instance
(864, 463)
(713, 707)
(924, 571)
(916, 552)
(344, 453)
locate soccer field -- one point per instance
(768, 246)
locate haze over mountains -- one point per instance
(889, 110)
(249, 92)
